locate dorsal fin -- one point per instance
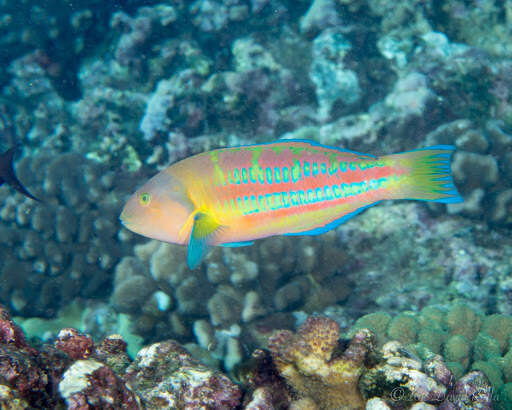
(317, 144)
(310, 143)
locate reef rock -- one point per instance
(89, 383)
(400, 378)
(165, 376)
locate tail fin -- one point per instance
(425, 174)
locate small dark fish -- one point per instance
(8, 176)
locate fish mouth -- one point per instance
(128, 224)
(123, 221)
(129, 221)
(124, 218)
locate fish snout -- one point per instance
(126, 215)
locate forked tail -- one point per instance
(424, 174)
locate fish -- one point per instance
(234, 196)
(8, 175)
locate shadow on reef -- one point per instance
(310, 369)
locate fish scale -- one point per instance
(269, 192)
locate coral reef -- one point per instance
(326, 372)
(165, 375)
(333, 81)
(312, 368)
(467, 341)
(214, 15)
(27, 376)
(90, 383)
(82, 375)
(63, 248)
(379, 85)
(402, 378)
(62, 35)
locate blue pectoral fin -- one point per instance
(197, 249)
(203, 230)
(237, 244)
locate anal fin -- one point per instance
(237, 244)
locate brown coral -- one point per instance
(313, 365)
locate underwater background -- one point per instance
(101, 95)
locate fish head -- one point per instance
(159, 209)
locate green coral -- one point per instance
(458, 349)
(485, 347)
(403, 328)
(499, 326)
(503, 400)
(377, 322)
(432, 315)
(433, 338)
(464, 321)
(456, 369)
(466, 339)
(506, 366)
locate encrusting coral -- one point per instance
(313, 364)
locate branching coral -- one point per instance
(313, 364)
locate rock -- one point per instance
(377, 404)
(165, 375)
(75, 344)
(321, 15)
(471, 391)
(91, 383)
(334, 82)
(400, 379)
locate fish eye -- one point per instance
(144, 199)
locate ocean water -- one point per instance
(100, 96)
